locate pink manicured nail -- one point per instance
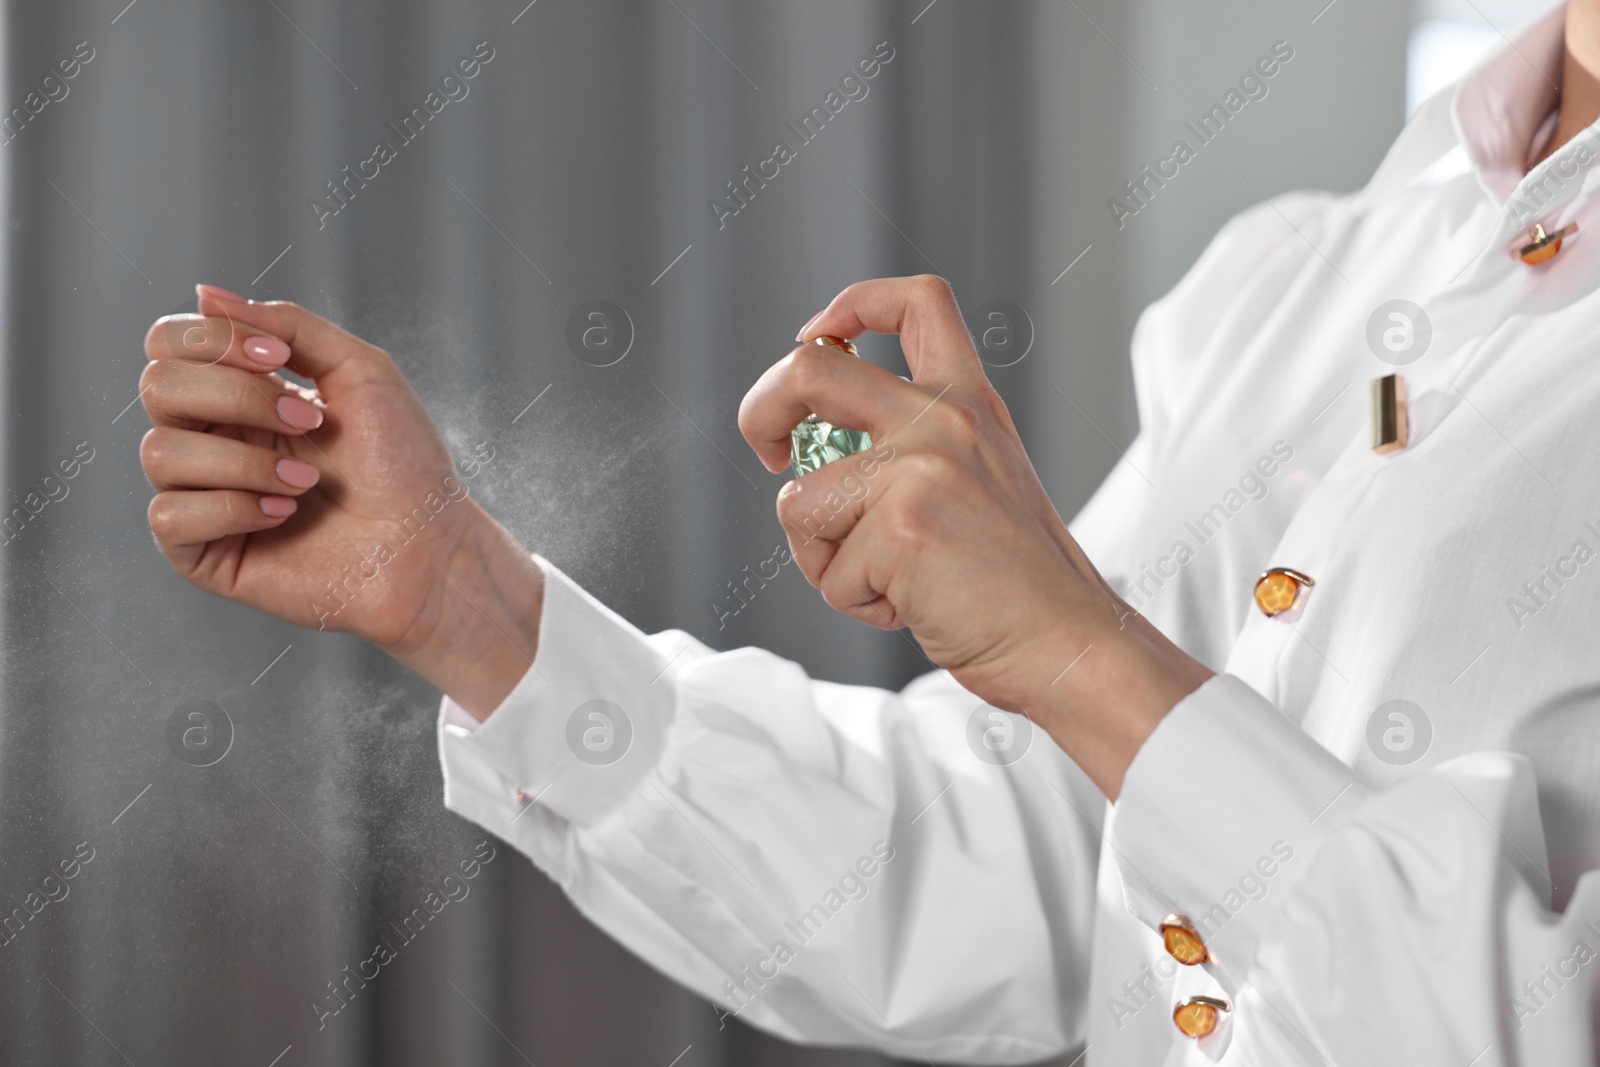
(276, 507)
(801, 336)
(298, 473)
(217, 292)
(267, 351)
(301, 414)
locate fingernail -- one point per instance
(276, 507)
(801, 336)
(301, 414)
(217, 292)
(267, 351)
(298, 473)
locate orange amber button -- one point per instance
(1542, 247)
(1278, 589)
(1197, 1016)
(1183, 940)
(1535, 254)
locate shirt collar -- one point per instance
(1502, 114)
(1501, 105)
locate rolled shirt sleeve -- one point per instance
(1404, 925)
(822, 859)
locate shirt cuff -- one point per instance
(579, 733)
(1220, 814)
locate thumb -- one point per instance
(922, 310)
(316, 346)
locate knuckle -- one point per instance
(835, 589)
(233, 507)
(158, 381)
(933, 288)
(928, 471)
(808, 367)
(902, 530)
(155, 335)
(155, 449)
(959, 421)
(371, 359)
(746, 417)
(802, 518)
(242, 395)
(992, 406)
(162, 515)
(851, 294)
(289, 318)
(155, 374)
(376, 354)
(789, 504)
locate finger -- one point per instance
(801, 518)
(185, 522)
(812, 555)
(821, 509)
(317, 346)
(186, 459)
(841, 388)
(214, 339)
(846, 583)
(922, 310)
(193, 396)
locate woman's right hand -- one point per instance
(337, 508)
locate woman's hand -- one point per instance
(338, 508)
(943, 527)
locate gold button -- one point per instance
(1278, 589)
(1183, 940)
(1197, 1016)
(1542, 247)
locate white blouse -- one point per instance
(1383, 817)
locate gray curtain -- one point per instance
(583, 163)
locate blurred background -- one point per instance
(590, 159)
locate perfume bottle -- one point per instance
(816, 442)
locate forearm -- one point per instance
(484, 629)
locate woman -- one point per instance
(1337, 680)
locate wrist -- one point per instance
(485, 633)
(1114, 686)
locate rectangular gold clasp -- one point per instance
(1389, 430)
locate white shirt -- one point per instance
(840, 865)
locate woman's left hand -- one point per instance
(943, 527)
